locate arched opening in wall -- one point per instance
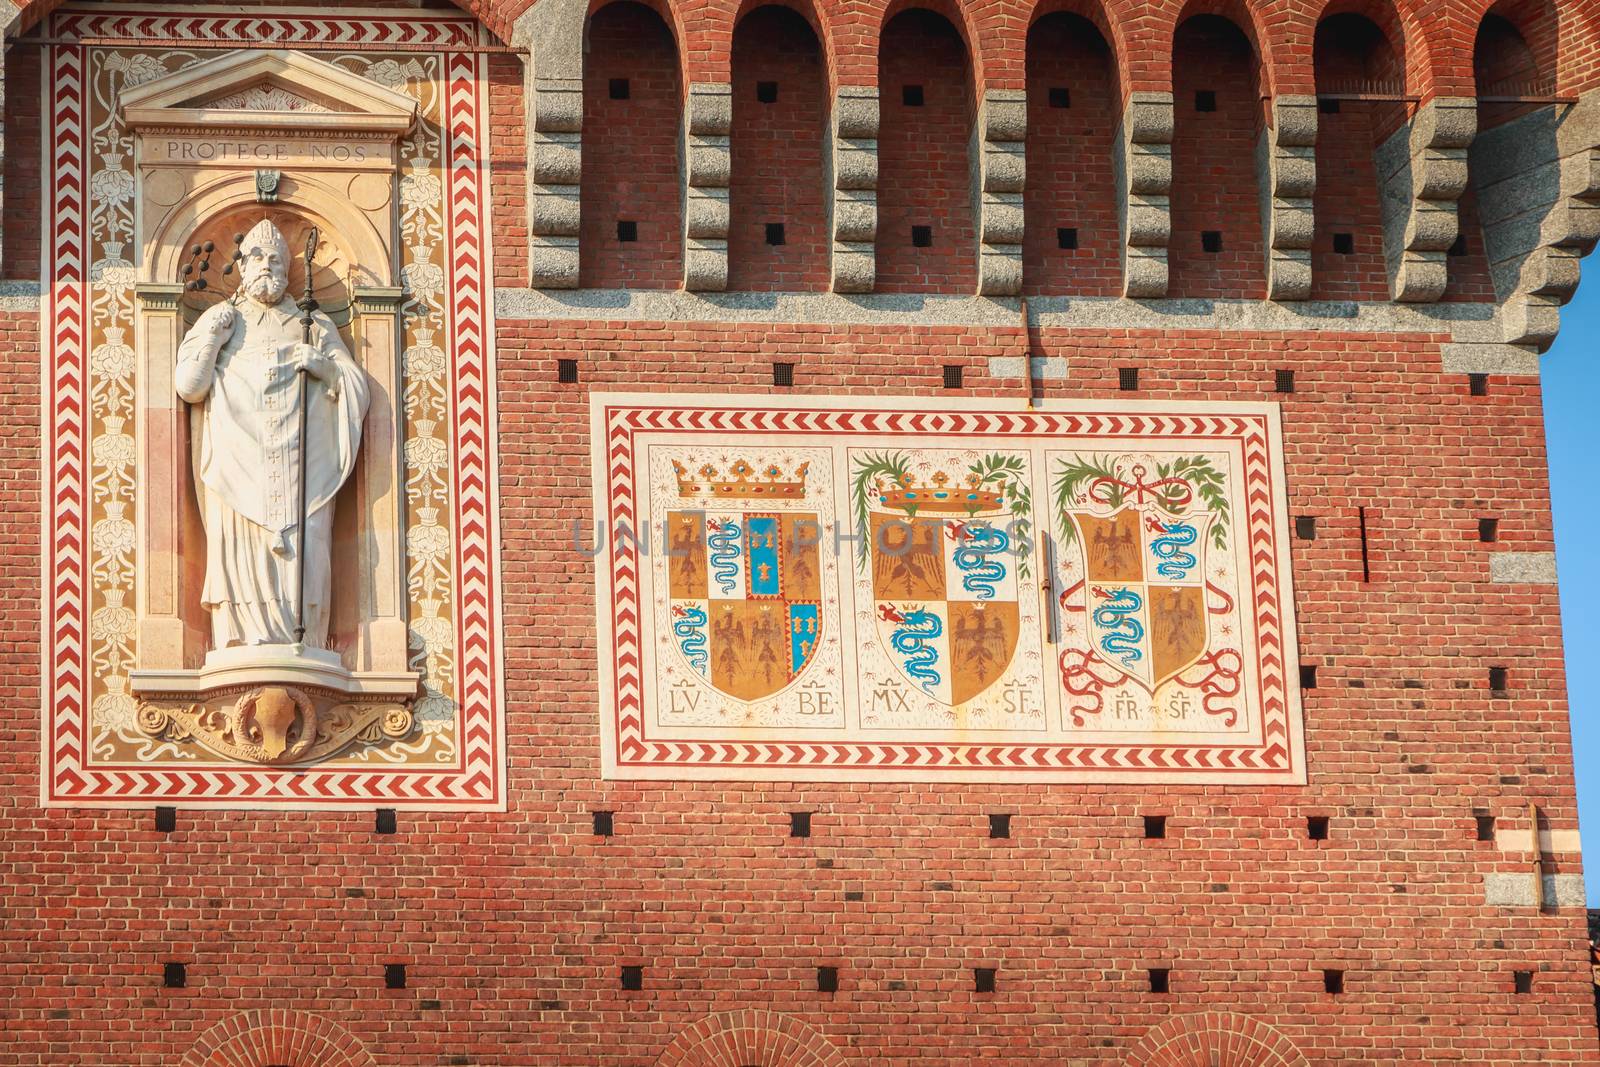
(778, 227)
(1516, 129)
(1216, 245)
(1071, 236)
(1360, 89)
(926, 241)
(631, 229)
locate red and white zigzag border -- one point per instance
(69, 777)
(1274, 756)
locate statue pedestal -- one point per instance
(293, 665)
(275, 704)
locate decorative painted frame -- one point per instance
(455, 614)
(634, 745)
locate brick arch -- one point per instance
(279, 1037)
(750, 1038)
(1215, 1039)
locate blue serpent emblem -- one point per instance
(916, 628)
(1124, 631)
(689, 628)
(979, 573)
(723, 537)
(1169, 548)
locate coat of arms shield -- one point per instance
(947, 557)
(744, 580)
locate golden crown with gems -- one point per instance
(740, 482)
(939, 495)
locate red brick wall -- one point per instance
(1071, 180)
(924, 158)
(630, 152)
(1214, 164)
(24, 157)
(777, 155)
(513, 926)
(1352, 55)
(508, 169)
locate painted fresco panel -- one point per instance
(905, 590)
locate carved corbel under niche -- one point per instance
(276, 724)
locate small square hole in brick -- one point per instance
(1205, 100)
(1333, 981)
(1155, 827)
(1317, 827)
(911, 95)
(1488, 530)
(922, 237)
(1305, 527)
(1497, 680)
(384, 821)
(619, 89)
(1485, 827)
(174, 975)
(394, 976)
(1060, 97)
(627, 231)
(605, 823)
(1344, 244)
(1478, 384)
(774, 233)
(1327, 105)
(1308, 676)
(799, 824)
(999, 826)
(1283, 380)
(783, 374)
(827, 979)
(1458, 247)
(983, 979)
(633, 978)
(166, 820)
(1160, 979)
(1128, 379)
(954, 374)
(567, 371)
(1211, 240)
(1067, 237)
(767, 92)
(1522, 981)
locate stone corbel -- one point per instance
(1422, 170)
(1144, 180)
(1538, 184)
(1002, 165)
(708, 163)
(853, 207)
(1287, 164)
(556, 164)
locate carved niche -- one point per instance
(218, 146)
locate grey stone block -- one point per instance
(710, 162)
(710, 109)
(856, 164)
(855, 111)
(1004, 167)
(558, 105)
(855, 217)
(1490, 358)
(555, 262)
(1522, 568)
(1000, 270)
(1002, 221)
(1516, 890)
(1050, 368)
(1005, 115)
(557, 158)
(705, 266)
(555, 211)
(854, 267)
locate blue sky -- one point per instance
(1567, 373)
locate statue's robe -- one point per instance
(246, 426)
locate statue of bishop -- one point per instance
(240, 365)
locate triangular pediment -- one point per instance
(268, 90)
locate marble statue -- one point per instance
(240, 366)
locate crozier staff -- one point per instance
(240, 365)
